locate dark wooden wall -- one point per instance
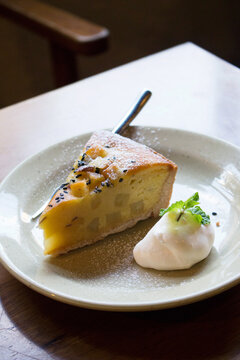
(138, 28)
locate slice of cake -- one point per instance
(114, 183)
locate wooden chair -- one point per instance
(67, 34)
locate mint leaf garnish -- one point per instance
(189, 206)
(177, 205)
(192, 201)
(199, 215)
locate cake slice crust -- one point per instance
(113, 184)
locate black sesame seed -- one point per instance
(73, 168)
(97, 190)
(121, 179)
(133, 161)
(97, 170)
(65, 188)
(88, 182)
(81, 163)
(65, 192)
(61, 194)
(103, 183)
(83, 157)
(50, 205)
(108, 183)
(114, 157)
(77, 176)
(125, 170)
(72, 180)
(107, 146)
(214, 213)
(58, 201)
(57, 198)
(63, 185)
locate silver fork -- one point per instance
(118, 129)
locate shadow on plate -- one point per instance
(111, 261)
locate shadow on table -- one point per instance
(205, 330)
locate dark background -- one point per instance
(138, 28)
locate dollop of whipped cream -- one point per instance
(174, 245)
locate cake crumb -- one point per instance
(218, 223)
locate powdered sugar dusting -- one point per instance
(108, 263)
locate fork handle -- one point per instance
(132, 113)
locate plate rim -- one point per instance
(106, 306)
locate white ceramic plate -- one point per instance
(104, 275)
